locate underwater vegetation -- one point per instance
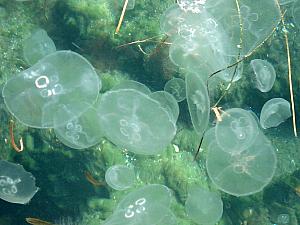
(149, 112)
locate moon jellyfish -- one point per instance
(120, 177)
(176, 87)
(77, 132)
(168, 102)
(131, 84)
(38, 45)
(147, 205)
(135, 121)
(203, 206)
(242, 173)
(265, 74)
(61, 78)
(16, 184)
(257, 23)
(198, 102)
(274, 112)
(237, 130)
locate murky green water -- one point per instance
(90, 120)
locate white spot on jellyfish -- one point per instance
(138, 207)
(8, 185)
(130, 130)
(42, 82)
(73, 130)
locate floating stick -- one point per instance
(121, 17)
(12, 138)
(289, 61)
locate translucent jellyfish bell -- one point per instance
(38, 45)
(237, 130)
(135, 121)
(61, 78)
(274, 112)
(265, 74)
(257, 23)
(131, 84)
(137, 214)
(77, 132)
(203, 206)
(242, 173)
(176, 87)
(168, 102)
(198, 102)
(16, 184)
(120, 177)
(147, 205)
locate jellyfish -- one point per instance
(236, 131)
(61, 78)
(120, 177)
(134, 121)
(37, 46)
(147, 205)
(203, 206)
(131, 84)
(77, 132)
(176, 87)
(274, 112)
(198, 102)
(16, 184)
(265, 74)
(242, 173)
(168, 102)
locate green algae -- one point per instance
(95, 204)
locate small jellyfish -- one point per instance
(236, 131)
(77, 132)
(134, 121)
(168, 102)
(61, 78)
(170, 20)
(274, 112)
(265, 74)
(16, 184)
(147, 205)
(120, 177)
(37, 46)
(176, 87)
(198, 102)
(203, 206)
(242, 173)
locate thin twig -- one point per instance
(239, 54)
(12, 138)
(143, 41)
(245, 56)
(289, 69)
(122, 16)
